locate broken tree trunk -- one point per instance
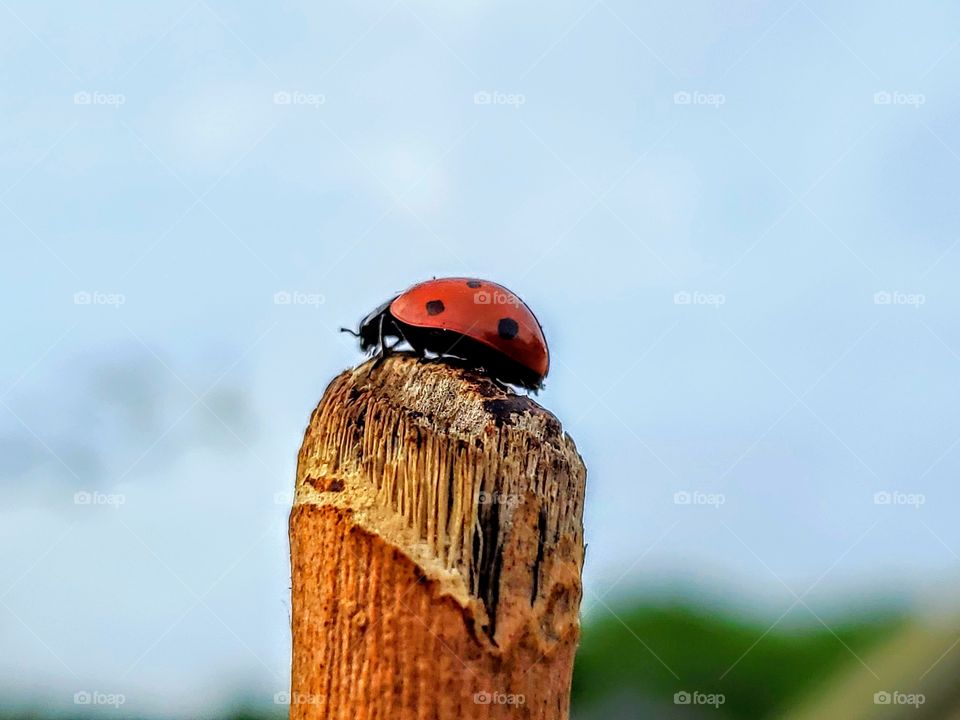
(436, 545)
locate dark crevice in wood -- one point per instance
(488, 561)
(541, 542)
(451, 493)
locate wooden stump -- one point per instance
(436, 546)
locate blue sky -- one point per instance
(738, 223)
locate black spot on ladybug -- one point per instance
(507, 328)
(435, 307)
(473, 284)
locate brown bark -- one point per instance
(436, 545)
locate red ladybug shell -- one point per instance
(481, 310)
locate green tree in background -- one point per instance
(631, 664)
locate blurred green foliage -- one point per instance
(639, 657)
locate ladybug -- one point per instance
(481, 323)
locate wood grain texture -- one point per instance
(436, 547)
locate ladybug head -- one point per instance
(373, 326)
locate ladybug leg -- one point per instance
(384, 350)
(383, 341)
(401, 339)
(501, 385)
(418, 349)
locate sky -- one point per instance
(736, 221)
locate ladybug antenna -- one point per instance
(352, 332)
